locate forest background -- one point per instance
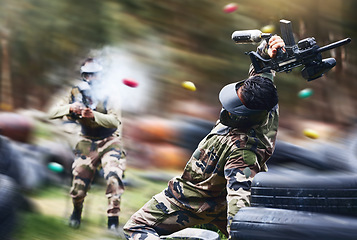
(160, 44)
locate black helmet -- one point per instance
(262, 97)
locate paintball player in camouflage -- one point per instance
(99, 145)
(217, 178)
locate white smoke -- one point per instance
(119, 64)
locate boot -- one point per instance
(113, 223)
(114, 228)
(75, 219)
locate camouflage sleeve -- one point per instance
(239, 171)
(106, 120)
(60, 109)
(262, 50)
(269, 75)
(111, 119)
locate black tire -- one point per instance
(23, 163)
(287, 154)
(352, 150)
(336, 157)
(9, 160)
(280, 224)
(8, 193)
(328, 193)
(191, 131)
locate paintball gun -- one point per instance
(305, 53)
(81, 94)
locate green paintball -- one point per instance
(55, 167)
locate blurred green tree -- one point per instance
(180, 39)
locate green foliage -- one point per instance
(35, 226)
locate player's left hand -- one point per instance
(87, 113)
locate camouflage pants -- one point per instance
(159, 217)
(91, 154)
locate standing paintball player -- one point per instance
(217, 178)
(99, 145)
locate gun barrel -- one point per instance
(334, 45)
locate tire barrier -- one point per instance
(322, 159)
(9, 159)
(334, 193)
(252, 223)
(8, 192)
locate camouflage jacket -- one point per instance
(219, 172)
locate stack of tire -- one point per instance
(8, 194)
(305, 195)
(17, 175)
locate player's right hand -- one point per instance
(275, 42)
(76, 108)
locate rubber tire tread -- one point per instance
(8, 193)
(9, 159)
(328, 193)
(252, 223)
(285, 153)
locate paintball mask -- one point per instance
(91, 67)
(234, 113)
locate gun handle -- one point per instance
(260, 64)
(281, 53)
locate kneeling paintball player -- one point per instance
(216, 181)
